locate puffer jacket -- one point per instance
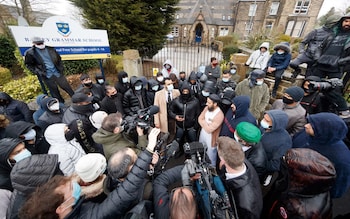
(15, 110)
(132, 98)
(75, 112)
(258, 60)
(120, 86)
(120, 200)
(222, 86)
(69, 152)
(280, 62)
(310, 177)
(35, 63)
(312, 41)
(28, 174)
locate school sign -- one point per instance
(70, 40)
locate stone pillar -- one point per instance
(132, 62)
(240, 59)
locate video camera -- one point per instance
(142, 119)
(325, 84)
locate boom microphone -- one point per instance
(172, 148)
(153, 110)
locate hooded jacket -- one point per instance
(329, 132)
(28, 174)
(167, 72)
(276, 141)
(15, 110)
(69, 152)
(280, 61)
(133, 100)
(258, 60)
(75, 112)
(312, 101)
(259, 96)
(49, 117)
(40, 109)
(151, 93)
(120, 86)
(242, 114)
(6, 147)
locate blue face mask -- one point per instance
(155, 88)
(205, 93)
(280, 52)
(22, 155)
(225, 80)
(76, 192)
(138, 87)
(29, 135)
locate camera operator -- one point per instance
(112, 137)
(312, 98)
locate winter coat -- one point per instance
(75, 112)
(161, 118)
(113, 142)
(245, 191)
(215, 72)
(112, 104)
(35, 63)
(151, 93)
(120, 86)
(242, 114)
(312, 41)
(196, 87)
(190, 110)
(222, 86)
(259, 96)
(5, 197)
(15, 110)
(258, 60)
(329, 132)
(120, 200)
(132, 99)
(296, 116)
(16, 129)
(48, 117)
(310, 177)
(280, 62)
(257, 157)
(167, 72)
(97, 91)
(69, 152)
(40, 109)
(277, 140)
(27, 175)
(214, 127)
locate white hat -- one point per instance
(97, 117)
(90, 166)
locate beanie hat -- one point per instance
(97, 117)
(81, 97)
(215, 98)
(15, 129)
(296, 93)
(248, 132)
(90, 166)
(282, 45)
(227, 96)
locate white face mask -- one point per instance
(155, 88)
(233, 71)
(138, 87)
(30, 135)
(259, 82)
(55, 106)
(42, 46)
(205, 93)
(225, 79)
(100, 81)
(264, 124)
(280, 52)
(170, 87)
(160, 79)
(125, 80)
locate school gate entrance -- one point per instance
(185, 56)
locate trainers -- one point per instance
(344, 114)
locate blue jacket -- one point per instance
(242, 114)
(329, 132)
(276, 141)
(280, 62)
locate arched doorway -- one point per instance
(199, 32)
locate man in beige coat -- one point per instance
(211, 120)
(162, 99)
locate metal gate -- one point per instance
(185, 56)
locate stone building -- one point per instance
(200, 21)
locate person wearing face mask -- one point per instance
(152, 88)
(185, 109)
(259, 58)
(169, 68)
(31, 135)
(53, 113)
(69, 201)
(163, 99)
(195, 84)
(112, 102)
(257, 90)
(81, 108)
(233, 71)
(213, 71)
(15, 110)
(248, 136)
(46, 63)
(135, 98)
(290, 104)
(96, 90)
(100, 80)
(225, 83)
(207, 89)
(311, 100)
(160, 80)
(278, 63)
(275, 139)
(123, 82)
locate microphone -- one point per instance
(153, 110)
(172, 148)
(161, 141)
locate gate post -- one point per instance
(132, 62)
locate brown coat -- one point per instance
(161, 118)
(214, 127)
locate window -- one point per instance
(212, 33)
(177, 16)
(175, 31)
(268, 25)
(249, 26)
(223, 31)
(223, 17)
(301, 7)
(228, 17)
(274, 8)
(252, 9)
(295, 28)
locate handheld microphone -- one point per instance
(153, 110)
(172, 149)
(161, 141)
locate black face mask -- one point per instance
(114, 95)
(88, 84)
(287, 101)
(185, 97)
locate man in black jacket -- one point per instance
(112, 102)
(46, 63)
(15, 110)
(96, 90)
(60, 197)
(135, 98)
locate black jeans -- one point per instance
(62, 82)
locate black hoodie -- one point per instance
(15, 110)
(120, 86)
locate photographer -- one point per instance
(112, 137)
(312, 98)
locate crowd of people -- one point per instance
(285, 160)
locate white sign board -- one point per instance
(70, 40)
